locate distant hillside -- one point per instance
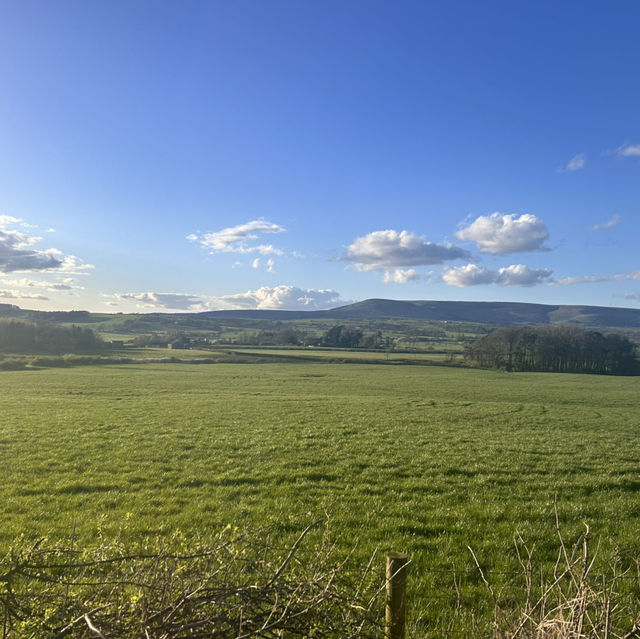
(501, 313)
(497, 313)
(480, 312)
(491, 313)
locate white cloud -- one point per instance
(576, 163)
(521, 275)
(72, 265)
(18, 255)
(23, 282)
(270, 265)
(267, 297)
(401, 276)
(6, 220)
(584, 279)
(65, 285)
(629, 151)
(177, 301)
(468, 275)
(19, 295)
(615, 219)
(506, 233)
(384, 250)
(281, 298)
(514, 275)
(237, 239)
(59, 287)
(265, 249)
(595, 279)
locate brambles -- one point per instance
(238, 586)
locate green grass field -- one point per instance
(341, 355)
(421, 459)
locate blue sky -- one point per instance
(283, 154)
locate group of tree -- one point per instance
(347, 336)
(343, 336)
(337, 336)
(17, 336)
(287, 336)
(555, 349)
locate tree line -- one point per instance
(560, 349)
(18, 336)
(337, 336)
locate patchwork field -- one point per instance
(425, 460)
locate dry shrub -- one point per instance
(245, 585)
(239, 586)
(573, 601)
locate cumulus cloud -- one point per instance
(615, 219)
(281, 298)
(387, 250)
(72, 265)
(505, 233)
(401, 276)
(596, 279)
(17, 252)
(521, 275)
(468, 275)
(628, 151)
(576, 163)
(239, 239)
(514, 275)
(177, 301)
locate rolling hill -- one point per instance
(495, 313)
(491, 313)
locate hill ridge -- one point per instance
(496, 313)
(490, 313)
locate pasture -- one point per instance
(420, 459)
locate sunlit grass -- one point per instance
(420, 459)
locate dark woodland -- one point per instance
(559, 349)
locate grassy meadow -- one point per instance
(420, 459)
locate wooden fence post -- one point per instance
(396, 595)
